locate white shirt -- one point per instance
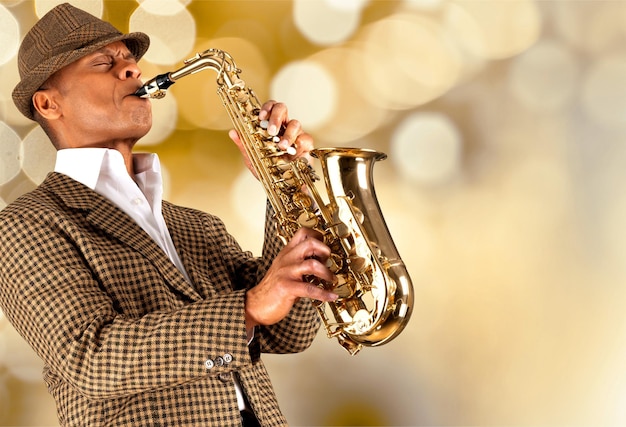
(104, 171)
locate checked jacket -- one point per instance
(125, 339)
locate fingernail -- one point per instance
(272, 130)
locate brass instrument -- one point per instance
(374, 288)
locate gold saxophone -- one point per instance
(375, 291)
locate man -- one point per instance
(145, 313)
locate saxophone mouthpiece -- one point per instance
(156, 87)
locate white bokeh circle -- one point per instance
(38, 155)
(426, 148)
(324, 22)
(9, 34)
(171, 36)
(494, 29)
(248, 201)
(545, 77)
(95, 7)
(162, 7)
(604, 92)
(9, 153)
(308, 89)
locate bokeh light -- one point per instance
(407, 61)
(325, 22)
(494, 29)
(603, 94)
(9, 34)
(38, 155)
(172, 35)
(249, 201)
(163, 7)
(427, 148)
(10, 149)
(545, 77)
(354, 114)
(95, 7)
(309, 91)
(591, 26)
(9, 77)
(426, 5)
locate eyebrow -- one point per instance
(114, 52)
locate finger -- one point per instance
(312, 291)
(234, 135)
(265, 109)
(294, 136)
(313, 267)
(307, 244)
(293, 129)
(278, 115)
(305, 233)
(303, 145)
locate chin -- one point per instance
(142, 122)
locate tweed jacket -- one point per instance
(125, 339)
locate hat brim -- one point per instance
(136, 42)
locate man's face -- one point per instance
(95, 95)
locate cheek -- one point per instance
(82, 108)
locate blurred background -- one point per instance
(504, 122)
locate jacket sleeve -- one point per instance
(296, 331)
(50, 294)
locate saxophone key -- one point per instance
(302, 200)
(358, 264)
(308, 220)
(281, 166)
(334, 263)
(344, 287)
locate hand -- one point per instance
(272, 299)
(293, 136)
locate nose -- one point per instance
(129, 70)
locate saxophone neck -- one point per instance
(213, 59)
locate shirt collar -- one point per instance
(85, 165)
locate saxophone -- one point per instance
(374, 288)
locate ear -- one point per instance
(45, 104)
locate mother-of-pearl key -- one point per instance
(290, 150)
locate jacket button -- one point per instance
(209, 364)
(228, 358)
(224, 377)
(219, 361)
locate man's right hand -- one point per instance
(271, 300)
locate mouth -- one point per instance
(140, 92)
(136, 93)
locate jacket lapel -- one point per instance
(105, 215)
(185, 231)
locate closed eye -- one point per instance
(102, 61)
